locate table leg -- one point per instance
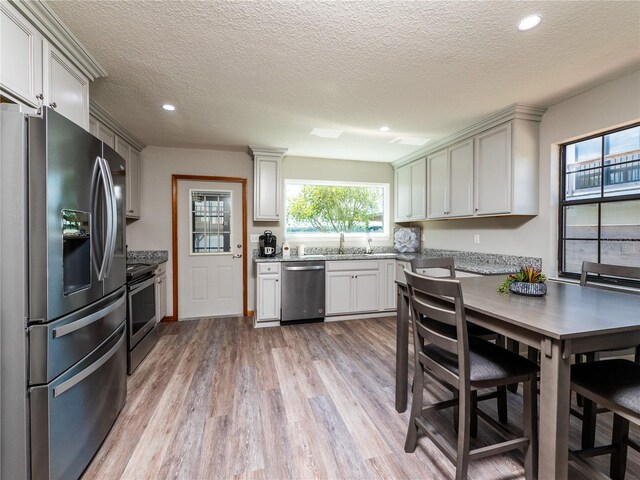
(555, 397)
(402, 351)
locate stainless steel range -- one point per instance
(142, 334)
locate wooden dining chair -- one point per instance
(614, 384)
(426, 266)
(589, 278)
(468, 364)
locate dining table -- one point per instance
(569, 319)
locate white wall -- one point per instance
(153, 230)
(610, 105)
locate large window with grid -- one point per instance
(600, 201)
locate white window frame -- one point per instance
(386, 227)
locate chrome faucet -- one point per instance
(341, 247)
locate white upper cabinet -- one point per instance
(106, 135)
(506, 169)
(132, 159)
(403, 193)
(42, 63)
(20, 57)
(133, 182)
(493, 171)
(450, 181)
(438, 183)
(66, 89)
(267, 180)
(411, 191)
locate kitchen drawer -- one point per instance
(342, 266)
(271, 267)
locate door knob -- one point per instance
(239, 255)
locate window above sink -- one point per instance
(321, 209)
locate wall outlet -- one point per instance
(255, 238)
(476, 239)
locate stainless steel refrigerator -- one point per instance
(62, 296)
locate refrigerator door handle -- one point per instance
(94, 317)
(112, 229)
(97, 244)
(107, 194)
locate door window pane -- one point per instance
(210, 222)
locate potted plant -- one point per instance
(528, 281)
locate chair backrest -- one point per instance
(619, 271)
(418, 264)
(437, 301)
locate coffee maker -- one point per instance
(267, 244)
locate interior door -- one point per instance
(209, 249)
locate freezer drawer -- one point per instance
(71, 416)
(54, 347)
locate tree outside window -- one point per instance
(334, 208)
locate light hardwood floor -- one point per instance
(218, 399)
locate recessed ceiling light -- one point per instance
(326, 132)
(169, 107)
(529, 22)
(384, 129)
(415, 141)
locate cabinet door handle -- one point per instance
(53, 105)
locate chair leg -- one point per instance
(513, 346)
(502, 404)
(618, 465)
(416, 408)
(530, 427)
(589, 423)
(473, 428)
(464, 424)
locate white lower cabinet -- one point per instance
(339, 293)
(161, 292)
(268, 292)
(364, 286)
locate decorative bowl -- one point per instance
(529, 289)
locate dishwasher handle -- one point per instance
(301, 269)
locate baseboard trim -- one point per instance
(360, 316)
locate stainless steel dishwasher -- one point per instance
(302, 291)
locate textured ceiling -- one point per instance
(268, 72)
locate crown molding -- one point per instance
(101, 115)
(276, 152)
(50, 25)
(512, 112)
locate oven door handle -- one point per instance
(89, 319)
(137, 286)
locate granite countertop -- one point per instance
(472, 262)
(471, 265)
(147, 257)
